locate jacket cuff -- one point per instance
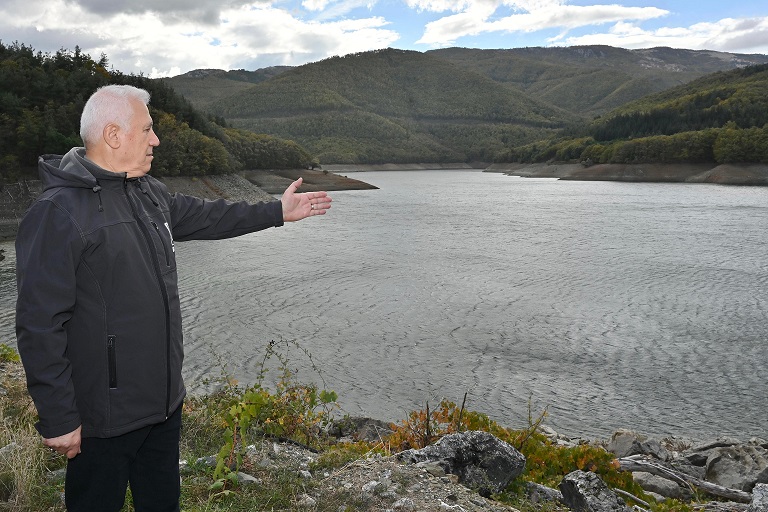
(277, 212)
(49, 432)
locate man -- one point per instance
(98, 319)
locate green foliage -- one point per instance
(546, 463)
(259, 151)
(741, 145)
(42, 96)
(293, 411)
(718, 118)
(8, 354)
(390, 106)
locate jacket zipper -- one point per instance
(162, 242)
(112, 358)
(163, 292)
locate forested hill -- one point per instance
(591, 80)
(42, 95)
(449, 105)
(721, 118)
(391, 106)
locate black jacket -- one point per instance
(98, 320)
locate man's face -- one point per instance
(138, 143)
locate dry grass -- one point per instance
(24, 462)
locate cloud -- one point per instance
(250, 36)
(746, 35)
(200, 11)
(529, 16)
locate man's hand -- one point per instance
(68, 444)
(300, 206)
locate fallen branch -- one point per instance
(629, 464)
(633, 498)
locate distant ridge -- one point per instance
(448, 105)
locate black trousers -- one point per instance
(148, 459)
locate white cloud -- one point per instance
(251, 36)
(315, 5)
(530, 16)
(749, 35)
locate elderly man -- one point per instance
(98, 317)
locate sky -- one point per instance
(161, 38)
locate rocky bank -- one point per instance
(724, 174)
(462, 472)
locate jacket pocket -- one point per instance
(162, 242)
(112, 360)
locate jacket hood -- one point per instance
(72, 170)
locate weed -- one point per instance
(294, 411)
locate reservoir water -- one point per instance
(610, 305)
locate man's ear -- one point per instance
(111, 135)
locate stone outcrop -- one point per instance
(584, 491)
(625, 443)
(480, 460)
(759, 499)
(718, 467)
(738, 467)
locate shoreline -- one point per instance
(721, 174)
(264, 184)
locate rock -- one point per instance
(538, 493)
(307, 501)
(404, 504)
(625, 443)
(699, 454)
(738, 467)
(433, 468)
(661, 486)
(480, 460)
(246, 479)
(360, 429)
(56, 476)
(10, 448)
(210, 460)
(586, 492)
(759, 499)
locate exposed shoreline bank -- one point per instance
(722, 174)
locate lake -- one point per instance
(610, 305)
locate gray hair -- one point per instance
(109, 104)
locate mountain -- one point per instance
(204, 86)
(391, 106)
(591, 80)
(449, 105)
